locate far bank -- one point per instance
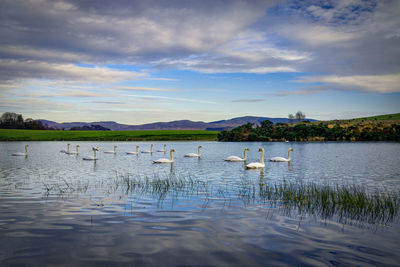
(151, 135)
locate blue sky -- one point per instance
(149, 61)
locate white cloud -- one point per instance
(171, 99)
(317, 35)
(139, 88)
(13, 69)
(127, 31)
(254, 46)
(389, 83)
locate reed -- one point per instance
(345, 202)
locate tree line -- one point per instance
(305, 131)
(10, 120)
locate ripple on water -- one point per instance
(59, 208)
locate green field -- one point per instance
(395, 116)
(161, 135)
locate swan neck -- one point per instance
(94, 151)
(198, 149)
(262, 157)
(172, 157)
(288, 154)
(76, 149)
(151, 149)
(68, 148)
(244, 156)
(137, 149)
(26, 149)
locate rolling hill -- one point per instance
(172, 125)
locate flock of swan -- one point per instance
(252, 165)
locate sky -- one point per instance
(138, 62)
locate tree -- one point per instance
(11, 120)
(291, 118)
(300, 116)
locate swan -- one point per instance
(280, 159)
(94, 152)
(255, 165)
(165, 150)
(194, 155)
(163, 160)
(111, 151)
(236, 158)
(74, 152)
(147, 151)
(134, 153)
(21, 153)
(65, 151)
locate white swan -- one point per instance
(165, 149)
(194, 155)
(65, 151)
(163, 160)
(148, 151)
(281, 159)
(134, 153)
(94, 156)
(236, 158)
(255, 165)
(21, 153)
(112, 151)
(74, 152)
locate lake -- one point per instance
(57, 209)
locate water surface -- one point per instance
(60, 209)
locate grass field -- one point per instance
(374, 121)
(387, 117)
(164, 135)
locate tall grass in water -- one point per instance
(160, 188)
(348, 202)
(345, 202)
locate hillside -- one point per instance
(172, 125)
(379, 121)
(387, 117)
(374, 128)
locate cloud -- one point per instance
(216, 36)
(132, 31)
(248, 100)
(16, 69)
(109, 102)
(69, 49)
(78, 94)
(173, 99)
(207, 64)
(139, 88)
(162, 79)
(308, 91)
(370, 83)
(317, 35)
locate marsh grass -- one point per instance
(161, 188)
(65, 187)
(345, 202)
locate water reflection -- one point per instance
(123, 209)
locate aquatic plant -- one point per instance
(346, 203)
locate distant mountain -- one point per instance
(172, 125)
(235, 122)
(89, 128)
